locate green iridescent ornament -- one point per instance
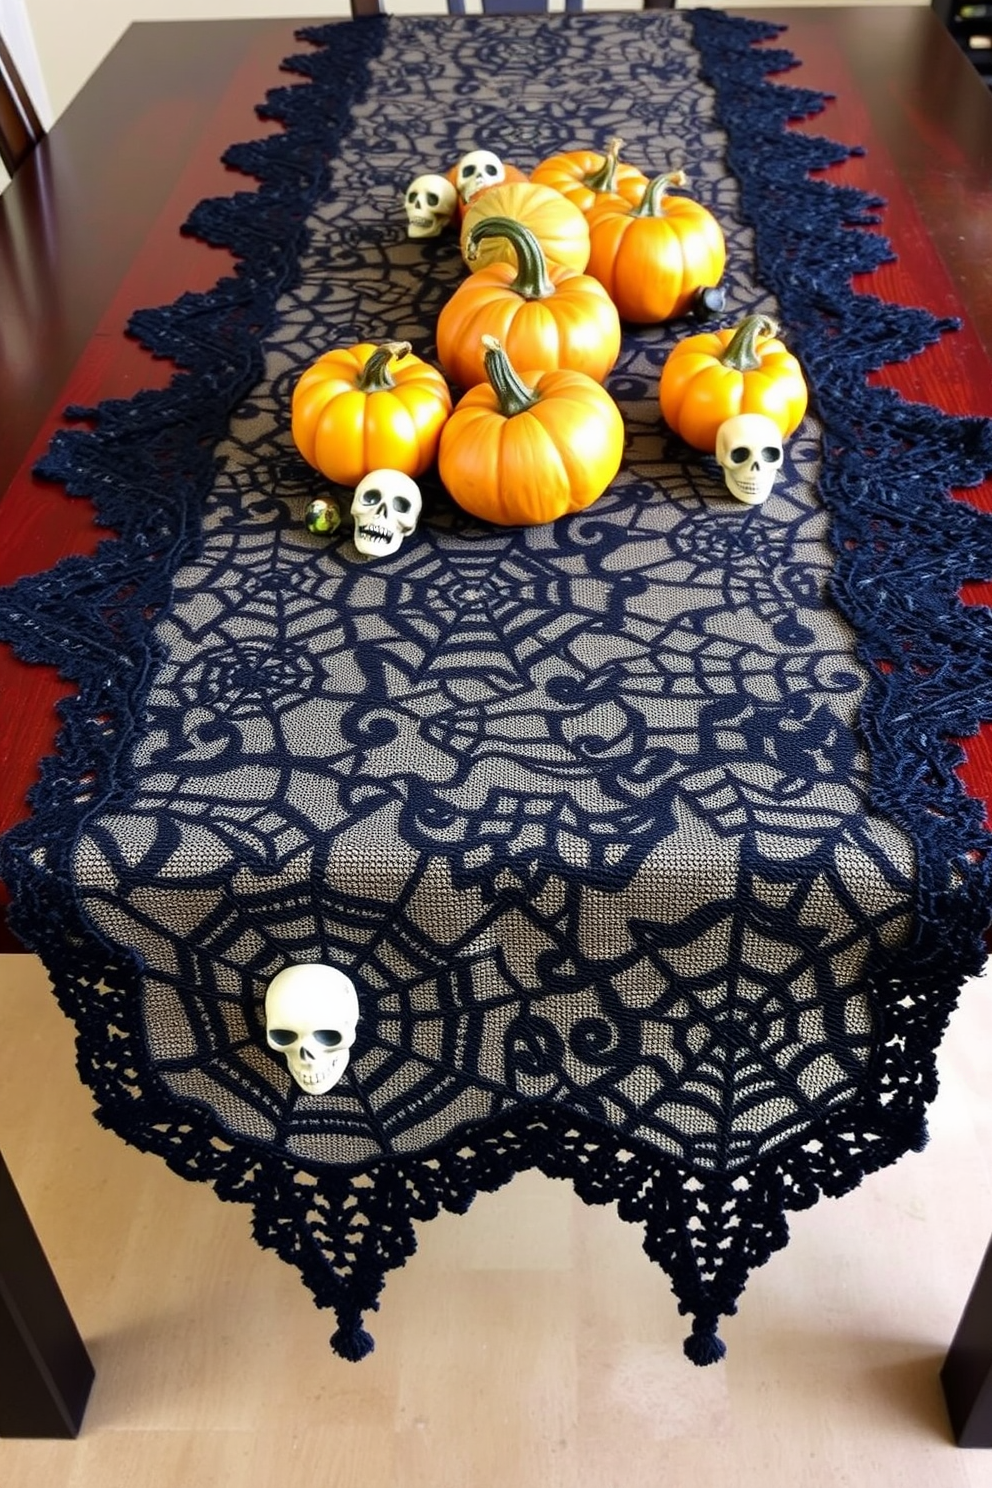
(322, 517)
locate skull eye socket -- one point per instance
(491, 170)
(468, 170)
(771, 454)
(432, 198)
(327, 1038)
(740, 453)
(411, 197)
(282, 1037)
(371, 498)
(401, 504)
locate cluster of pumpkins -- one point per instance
(557, 262)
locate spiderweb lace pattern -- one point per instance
(638, 834)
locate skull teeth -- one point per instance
(749, 491)
(311, 1077)
(378, 534)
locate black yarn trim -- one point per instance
(904, 548)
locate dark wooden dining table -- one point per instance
(90, 230)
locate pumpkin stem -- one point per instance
(604, 177)
(653, 204)
(375, 376)
(741, 353)
(532, 281)
(513, 393)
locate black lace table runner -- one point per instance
(636, 832)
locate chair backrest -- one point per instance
(495, 7)
(971, 26)
(20, 127)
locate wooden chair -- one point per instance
(970, 23)
(497, 7)
(20, 127)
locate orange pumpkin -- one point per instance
(367, 407)
(543, 316)
(715, 375)
(653, 258)
(556, 223)
(590, 179)
(522, 449)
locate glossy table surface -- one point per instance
(90, 231)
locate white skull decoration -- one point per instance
(476, 170)
(749, 451)
(386, 508)
(430, 204)
(311, 1014)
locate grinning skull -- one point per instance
(386, 509)
(749, 451)
(476, 170)
(311, 1014)
(430, 204)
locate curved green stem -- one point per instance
(375, 376)
(532, 281)
(741, 353)
(604, 177)
(513, 393)
(653, 204)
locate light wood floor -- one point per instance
(530, 1343)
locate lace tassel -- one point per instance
(704, 1345)
(350, 1341)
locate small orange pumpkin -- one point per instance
(542, 315)
(556, 223)
(366, 407)
(590, 179)
(523, 449)
(711, 377)
(654, 257)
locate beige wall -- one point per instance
(73, 36)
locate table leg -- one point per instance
(967, 1371)
(45, 1371)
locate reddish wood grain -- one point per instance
(926, 127)
(89, 231)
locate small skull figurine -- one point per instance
(311, 1015)
(749, 451)
(476, 170)
(430, 204)
(386, 508)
